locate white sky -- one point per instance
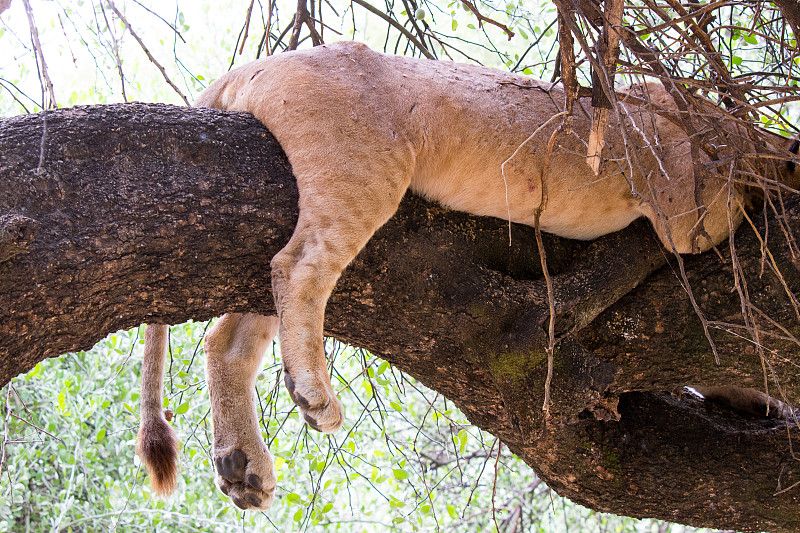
(80, 59)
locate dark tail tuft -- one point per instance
(157, 447)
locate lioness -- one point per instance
(360, 128)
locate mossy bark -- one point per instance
(156, 213)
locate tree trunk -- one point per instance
(157, 213)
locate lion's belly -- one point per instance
(576, 221)
(579, 205)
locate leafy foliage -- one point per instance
(407, 460)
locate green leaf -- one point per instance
(462, 437)
(328, 507)
(37, 371)
(455, 24)
(396, 406)
(750, 39)
(101, 435)
(451, 511)
(383, 367)
(400, 474)
(293, 498)
(182, 408)
(298, 515)
(736, 60)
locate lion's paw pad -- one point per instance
(249, 484)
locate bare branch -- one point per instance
(37, 46)
(481, 19)
(608, 52)
(146, 51)
(396, 25)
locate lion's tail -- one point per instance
(157, 444)
(750, 401)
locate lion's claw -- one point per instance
(319, 406)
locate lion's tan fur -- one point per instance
(444, 130)
(360, 128)
(234, 347)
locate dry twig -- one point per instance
(37, 46)
(396, 25)
(303, 17)
(481, 19)
(494, 486)
(4, 445)
(147, 52)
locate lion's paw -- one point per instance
(319, 405)
(247, 478)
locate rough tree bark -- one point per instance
(156, 213)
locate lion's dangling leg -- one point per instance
(302, 280)
(234, 348)
(337, 218)
(156, 444)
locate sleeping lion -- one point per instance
(360, 128)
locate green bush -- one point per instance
(406, 459)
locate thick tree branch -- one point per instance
(157, 213)
(791, 11)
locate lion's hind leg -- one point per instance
(156, 443)
(243, 465)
